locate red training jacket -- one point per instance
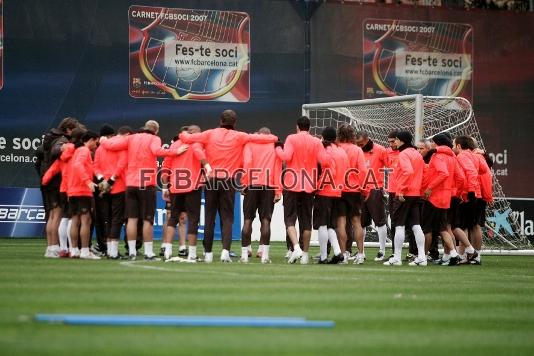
(185, 168)
(393, 160)
(376, 160)
(442, 176)
(356, 160)
(224, 148)
(143, 150)
(409, 173)
(334, 164)
(80, 173)
(300, 153)
(109, 163)
(60, 166)
(262, 166)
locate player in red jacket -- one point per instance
(143, 149)
(485, 179)
(326, 214)
(406, 209)
(263, 188)
(224, 152)
(374, 209)
(80, 189)
(184, 190)
(60, 167)
(110, 167)
(393, 160)
(350, 205)
(300, 152)
(439, 185)
(472, 168)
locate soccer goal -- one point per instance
(424, 117)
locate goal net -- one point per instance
(424, 117)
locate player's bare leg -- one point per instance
(357, 229)
(74, 234)
(52, 234)
(297, 251)
(182, 233)
(341, 231)
(148, 239)
(131, 236)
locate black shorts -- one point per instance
(481, 212)
(467, 214)
(118, 203)
(374, 208)
(325, 212)
(52, 199)
(350, 204)
(190, 204)
(261, 199)
(298, 205)
(433, 219)
(141, 203)
(454, 217)
(80, 205)
(406, 213)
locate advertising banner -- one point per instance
(417, 57)
(22, 215)
(187, 54)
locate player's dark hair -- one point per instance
(68, 123)
(362, 134)
(228, 118)
(76, 135)
(264, 131)
(89, 135)
(465, 142)
(303, 123)
(345, 133)
(123, 130)
(393, 134)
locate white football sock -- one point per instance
(168, 249)
(84, 251)
(382, 235)
(453, 254)
(260, 249)
(114, 250)
(181, 247)
(447, 257)
(265, 252)
(332, 237)
(469, 249)
(131, 247)
(420, 241)
(244, 253)
(323, 241)
(192, 252)
(63, 235)
(399, 240)
(149, 248)
(69, 224)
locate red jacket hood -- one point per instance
(445, 149)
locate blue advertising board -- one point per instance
(22, 215)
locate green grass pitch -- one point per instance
(465, 310)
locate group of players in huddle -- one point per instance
(336, 184)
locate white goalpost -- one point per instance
(424, 117)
